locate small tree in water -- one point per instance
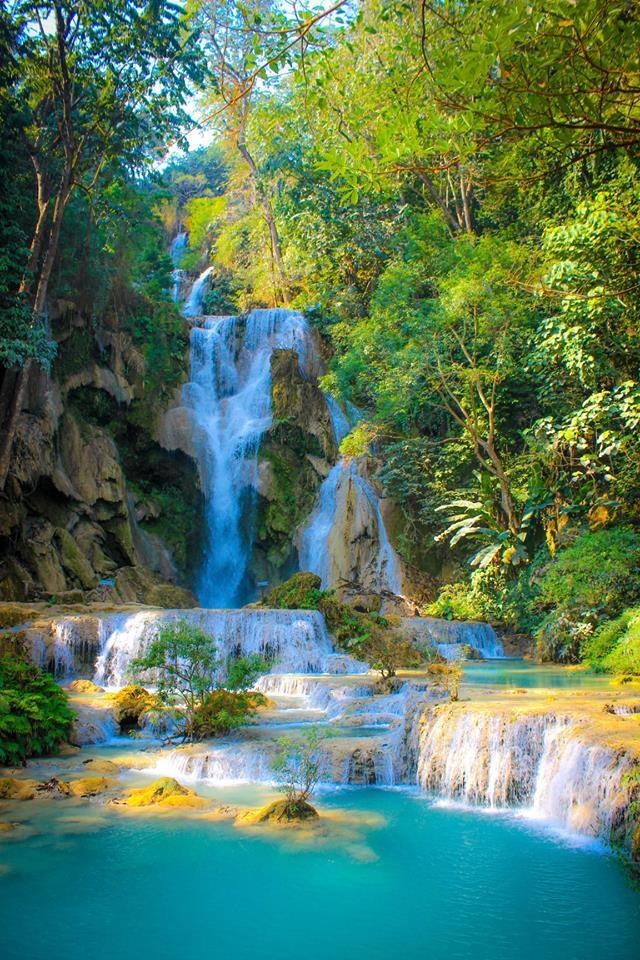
(186, 666)
(299, 767)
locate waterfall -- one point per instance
(176, 252)
(451, 637)
(540, 763)
(229, 397)
(193, 306)
(346, 537)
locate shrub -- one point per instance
(131, 703)
(221, 711)
(590, 581)
(615, 646)
(301, 592)
(34, 712)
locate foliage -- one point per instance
(299, 592)
(131, 703)
(220, 712)
(388, 653)
(614, 647)
(590, 581)
(34, 712)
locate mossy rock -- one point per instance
(165, 792)
(12, 789)
(170, 597)
(11, 615)
(101, 766)
(282, 812)
(85, 686)
(90, 786)
(6, 827)
(131, 703)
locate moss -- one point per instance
(73, 560)
(283, 812)
(90, 786)
(170, 597)
(299, 592)
(165, 792)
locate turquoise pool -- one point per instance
(525, 673)
(427, 884)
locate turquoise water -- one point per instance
(429, 884)
(524, 673)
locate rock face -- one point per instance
(72, 525)
(295, 456)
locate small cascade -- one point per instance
(454, 638)
(193, 305)
(346, 537)
(540, 764)
(229, 397)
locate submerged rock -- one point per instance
(165, 792)
(101, 766)
(85, 686)
(13, 789)
(283, 812)
(90, 786)
(54, 787)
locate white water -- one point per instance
(176, 252)
(540, 764)
(193, 305)
(346, 537)
(229, 397)
(452, 636)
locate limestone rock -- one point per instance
(165, 792)
(101, 766)
(90, 786)
(84, 686)
(12, 789)
(282, 812)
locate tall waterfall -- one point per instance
(229, 397)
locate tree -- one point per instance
(105, 82)
(299, 767)
(184, 662)
(34, 712)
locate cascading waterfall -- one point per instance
(229, 397)
(451, 637)
(346, 537)
(540, 764)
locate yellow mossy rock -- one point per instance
(85, 686)
(7, 827)
(101, 766)
(260, 702)
(282, 812)
(12, 789)
(67, 750)
(165, 792)
(90, 786)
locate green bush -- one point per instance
(221, 711)
(300, 592)
(34, 712)
(615, 646)
(591, 581)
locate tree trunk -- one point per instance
(267, 210)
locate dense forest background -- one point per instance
(449, 191)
